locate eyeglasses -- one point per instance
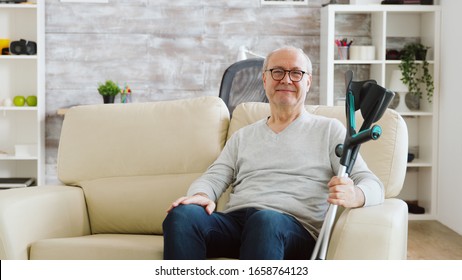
(294, 75)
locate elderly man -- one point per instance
(282, 170)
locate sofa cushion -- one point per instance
(99, 247)
(134, 205)
(158, 138)
(133, 160)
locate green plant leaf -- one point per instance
(416, 76)
(108, 88)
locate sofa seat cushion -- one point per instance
(99, 247)
(133, 205)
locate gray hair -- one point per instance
(309, 66)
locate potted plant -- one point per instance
(416, 74)
(108, 90)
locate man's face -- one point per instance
(285, 92)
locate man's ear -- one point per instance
(308, 81)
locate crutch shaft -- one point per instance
(320, 249)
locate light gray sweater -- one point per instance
(287, 172)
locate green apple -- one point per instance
(19, 100)
(31, 100)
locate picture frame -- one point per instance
(85, 1)
(284, 2)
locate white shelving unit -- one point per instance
(22, 75)
(390, 27)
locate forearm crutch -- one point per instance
(372, 100)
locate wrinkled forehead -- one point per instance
(288, 58)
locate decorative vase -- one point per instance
(108, 99)
(402, 107)
(412, 102)
(125, 98)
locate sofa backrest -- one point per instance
(386, 157)
(133, 160)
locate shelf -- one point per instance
(355, 9)
(348, 61)
(397, 62)
(419, 163)
(13, 157)
(372, 62)
(389, 27)
(19, 6)
(23, 75)
(416, 114)
(18, 57)
(13, 108)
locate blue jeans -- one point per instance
(249, 234)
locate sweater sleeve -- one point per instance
(368, 182)
(373, 192)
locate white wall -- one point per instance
(450, 141)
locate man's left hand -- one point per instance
(343, 192)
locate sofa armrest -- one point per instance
(34, 213)
(376, 232)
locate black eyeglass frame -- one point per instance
(286, 71)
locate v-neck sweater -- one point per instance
(287, 171)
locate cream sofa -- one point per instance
(123, 164)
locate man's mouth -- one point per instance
(288, 90)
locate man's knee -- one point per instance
(182, 215)
(268, 219)
(266, 216)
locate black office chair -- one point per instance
(242, 82)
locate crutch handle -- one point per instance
(372, 133)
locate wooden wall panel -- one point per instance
(163, 49)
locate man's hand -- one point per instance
(199, 199)
(343, 192)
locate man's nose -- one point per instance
(286, 78)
